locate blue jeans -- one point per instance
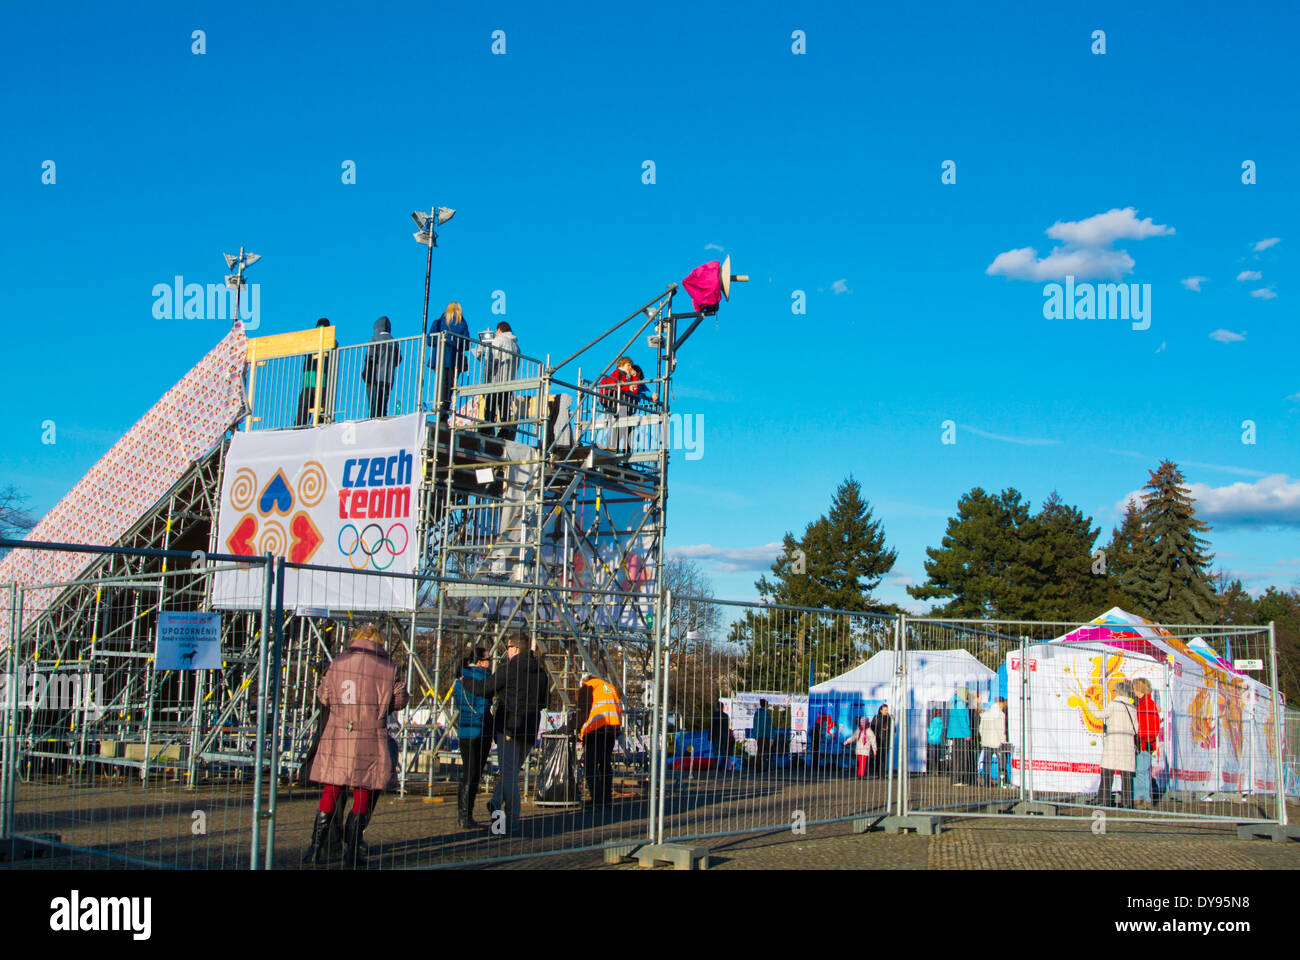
(1142, 778)
(510, 758)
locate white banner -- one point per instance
(342, 495)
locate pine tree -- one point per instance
(836, 564)
(1170, 576)
(1058, 543)
(844, 558)
(980, 562)
(1121, 561)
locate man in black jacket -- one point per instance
(524, 688)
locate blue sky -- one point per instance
(818, 172)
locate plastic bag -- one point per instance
(557, 780)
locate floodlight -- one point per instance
(445, 214)
(230, 261)
(422, 236)
(656, 341)
(421, 219)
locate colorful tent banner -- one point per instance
(183, 426)
(1216, 723)
(344, 495)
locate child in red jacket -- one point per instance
(1148, 736)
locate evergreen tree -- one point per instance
(980, 563)
(844, 558)
(1121, 561)
(1170, 577)
(836, 564)
(1058, 543)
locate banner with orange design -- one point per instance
(343, 495)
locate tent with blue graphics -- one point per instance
(1217, 727)
(933, 676)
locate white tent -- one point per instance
(1216, 721)
(933, 676)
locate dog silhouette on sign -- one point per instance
(187, 659)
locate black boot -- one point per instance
(318, 848)
(465, 806)
(354, 850)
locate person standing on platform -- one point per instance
(500, 362)
(1148, 735)
(524, 688)
(474, 731)
(360, 688)
(311, 372)
(379, 368)
(959, 734)
(452, 324)
(599, 703)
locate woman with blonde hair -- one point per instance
(452, 323)
(360, 689)
(1119, 726)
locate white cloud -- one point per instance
(730, 559)
(1024, 441)
(1294, 396)
(1194, 283)
(840, 286)
(1271, 501)
(1265, 244)
(1227, 336)
(1086, 251)
(714, 246)
(1161, 348)
(1264, 294)
(1105, 228)
(1024, 264)
(1249, 275)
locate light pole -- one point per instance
(236, 280)
(428, 235)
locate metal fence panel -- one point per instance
(112, 762)
(1006, 722)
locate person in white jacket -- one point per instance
(993, 735)
(1119, 723)
(864, 743)
(500, 355)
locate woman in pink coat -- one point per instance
(360, 689)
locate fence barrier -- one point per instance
(735, 718)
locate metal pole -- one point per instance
(654, 734)
(275, 711)
(1279, 770)
(900, 722)
(8, 758)
(406, 712)
(663, 758)
(1024, 721)
(267, 575)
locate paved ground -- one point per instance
(159, 824)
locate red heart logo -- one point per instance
(306, 538)
(240, 541)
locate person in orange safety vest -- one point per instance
(602, 711)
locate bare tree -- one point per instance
(15, 521)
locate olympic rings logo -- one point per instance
(368, 547)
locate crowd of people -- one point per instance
(621, 392)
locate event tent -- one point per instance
(933, 677)
(1217, 722)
